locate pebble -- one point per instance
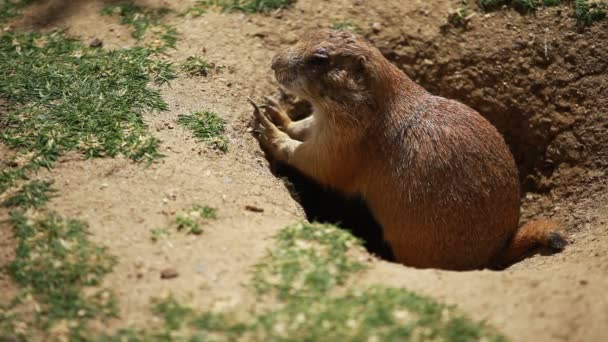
(376, 27)
(168, 273)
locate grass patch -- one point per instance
(11, 8)
(304, 271)
(145, 21)
(347, 25)
(55, 261)
(208, 127)
(34, 194)
(67, 97)
(249, 6)
(588, 11)
(196, 66)
(309, 261)
(60, 96)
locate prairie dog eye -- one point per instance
(320, 56)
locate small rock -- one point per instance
(376, 27)
(168, 273)
(254, 209)
(96, 43)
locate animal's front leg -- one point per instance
(299, 130)
(280, 146)
(275, 142)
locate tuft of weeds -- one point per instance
(196, 10)
(144, 20)
(347, 25)
(249, 6)
(158, 234)
(68, 97)
(9, 175)
(589, 11)
(461, 16)
(208, 127)
(189, 221)
(34, 194)
(56, 262)
(196, 66)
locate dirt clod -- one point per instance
(169, 273)
(96, 43)
(254, 208)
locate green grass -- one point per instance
(196, 66)
(347, 25)
(66, 97)
(307, 273)
(208, 127)
(55, 261)
(309, 261)
(249, 6)
(587, 12)
(11, 8)
(145, 21)
(34, 194)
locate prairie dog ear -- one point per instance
(362, 60)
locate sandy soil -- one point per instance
(545, 298)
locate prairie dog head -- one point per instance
(329, 68)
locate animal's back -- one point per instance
(448, 192)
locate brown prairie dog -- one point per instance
(437, 176)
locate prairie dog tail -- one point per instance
(541, 232)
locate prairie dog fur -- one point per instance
(437, 176)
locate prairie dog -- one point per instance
(437, 176)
